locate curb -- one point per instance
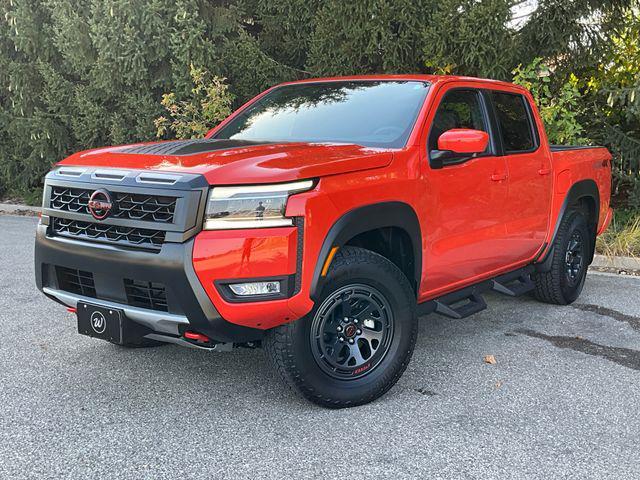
(16, 209)
(617, 264)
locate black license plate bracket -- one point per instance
(100, 322)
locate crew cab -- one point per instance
(320, 220)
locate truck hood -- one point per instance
(229, 162)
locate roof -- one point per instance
(403, 77)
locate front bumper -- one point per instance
(189, 306)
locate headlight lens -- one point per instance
(256, 206)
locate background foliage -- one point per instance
(76, 74)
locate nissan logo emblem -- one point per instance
(100, 204)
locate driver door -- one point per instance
(463, 202)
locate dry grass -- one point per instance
(622, 237)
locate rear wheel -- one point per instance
(356, 343)
(563, 283)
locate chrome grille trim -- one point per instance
(157, 178)
(117, 175)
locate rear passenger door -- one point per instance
(529, 170)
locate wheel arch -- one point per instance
(583, 192)
(369, 218)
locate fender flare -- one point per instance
(579, 190)
(367, 218)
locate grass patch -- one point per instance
(622, 238)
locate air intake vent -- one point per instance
(148, 295)
(129, 206)
(189, 147)
(126, 236)
(145, 207)
(76, 281)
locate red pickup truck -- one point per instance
(320, 220)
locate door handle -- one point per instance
(498, 177)
(544, 171)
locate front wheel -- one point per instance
(357, 341)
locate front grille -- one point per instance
(127, 236)
(128, 206)
(76, 281)
(146, 294)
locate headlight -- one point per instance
(256, 206)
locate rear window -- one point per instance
(514, 121)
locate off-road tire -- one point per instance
(554, 286)
(290, 346)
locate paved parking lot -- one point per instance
(562, 401)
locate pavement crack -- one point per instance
(634, 322)
(622, 356)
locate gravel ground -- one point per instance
(561, 402)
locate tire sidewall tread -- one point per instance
(551, 287)
(290, 350)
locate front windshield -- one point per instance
(367, 113)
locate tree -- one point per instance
(77, 74)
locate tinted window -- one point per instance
(458, 109)
(514, 122)
(368, 113)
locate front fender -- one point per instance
(364, 219)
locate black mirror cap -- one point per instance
(437, 158)
(441, 158)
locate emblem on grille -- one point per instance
(100, 204)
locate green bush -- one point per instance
(622, 238)
(560, 110)
(209, 103)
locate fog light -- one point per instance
(255, 288)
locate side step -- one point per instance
(469, 300)
(515, 283)
(460, 308)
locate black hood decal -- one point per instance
(190, 147)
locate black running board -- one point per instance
(469, 300)
(515, 283)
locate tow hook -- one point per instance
(202, 341)
(198, 337)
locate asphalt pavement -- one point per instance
(562, 400)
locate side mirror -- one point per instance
(457, 145)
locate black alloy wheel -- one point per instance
(357, 340)
(351, 331)
(574, 257)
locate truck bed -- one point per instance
(574, 163)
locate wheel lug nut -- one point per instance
(346, 319)
(339, 328)
(351, 340)
(355, 320)
(341, 339)
(358, 331)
